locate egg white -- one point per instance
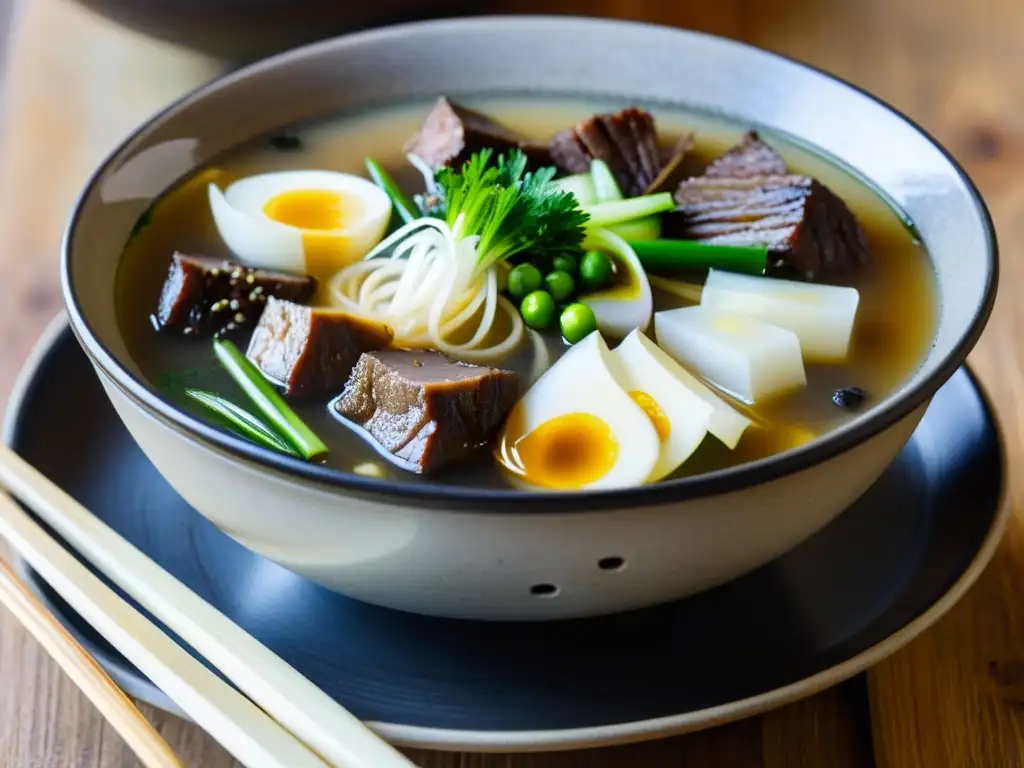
(259, 241)
(581, 382)
(639, 366)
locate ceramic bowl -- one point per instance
(496, 554)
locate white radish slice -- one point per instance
(679, 414)
(745, 357)
(822, 316)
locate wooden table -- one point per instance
(954, 697)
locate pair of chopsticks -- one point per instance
(282, 721)
(83, 670)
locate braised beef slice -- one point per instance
(806, 227)
(312, 351)
(627, 141)
(450, 133)
(750, 158)
(205, 295)
(425, 409)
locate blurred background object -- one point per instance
(243, 30)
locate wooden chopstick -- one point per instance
(282, 692)
(241, 727)
(118, 709)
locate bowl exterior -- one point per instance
(475, 564)
(531, 558)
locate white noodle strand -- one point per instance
(430, 288)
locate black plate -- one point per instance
(856, 591)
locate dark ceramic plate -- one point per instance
(855, 592)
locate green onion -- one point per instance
(606, 214)
(641, 229)
(270, 404)
(692, 254)
(247, 424)
(403, 205)
(581, 186)
(605, 186)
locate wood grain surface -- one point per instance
(954, 697)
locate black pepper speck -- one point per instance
(849, 398)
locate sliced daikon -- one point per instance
(822, 316)
(679, 414)
(743, 356)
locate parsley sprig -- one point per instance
(510, 209)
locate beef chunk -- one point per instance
(805, 226)
(627, 141)
(750, 158)
(204, 295)
(425, 409)
(312, 351)
(451, 133)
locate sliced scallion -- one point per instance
(605, 186)
(640, 229)
(692, 254)
(243, 421)
(405, 207)
(606, 214)
(581, 185)
(267, 401)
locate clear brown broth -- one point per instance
(894, 329)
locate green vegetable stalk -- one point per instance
(606, 214)
(268, 402)
(691, 254)
(243, 421)
(404, 207)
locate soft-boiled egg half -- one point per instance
(577, 428)
(680, 416)
(313, 222)
(629, 303)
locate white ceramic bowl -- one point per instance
(500, 554)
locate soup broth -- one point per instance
(894, 324)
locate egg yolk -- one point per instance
(320, 213)
(568, 452)
(661, 422)
(307, 209)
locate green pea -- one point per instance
(560, 285)
(538, 310)
(577, 322)
(596, 270)
(564, 263)
(524, 279)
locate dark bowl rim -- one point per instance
(439, 495)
